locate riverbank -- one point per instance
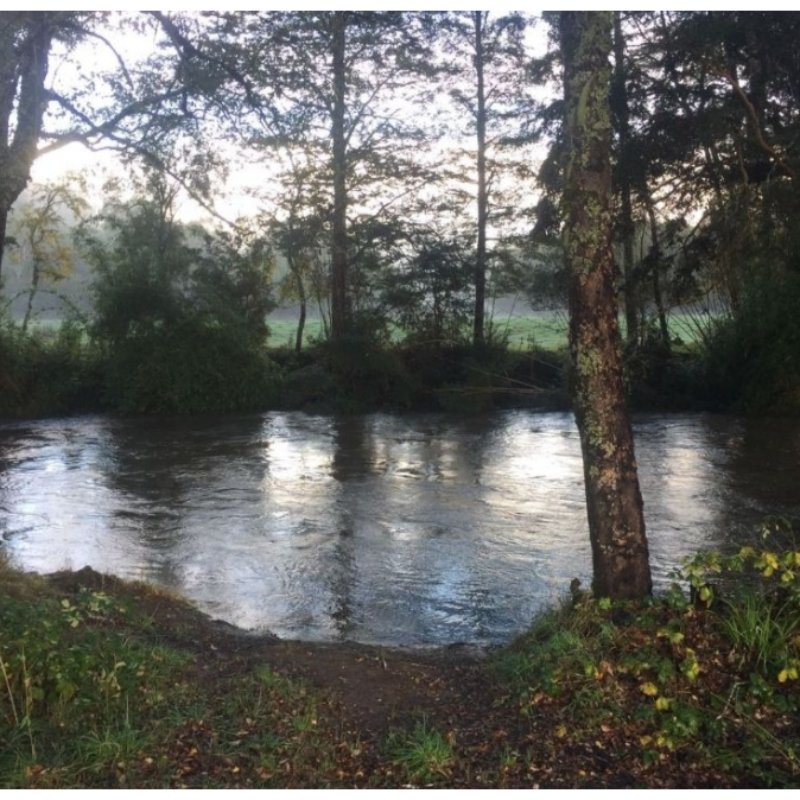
(54, 373)
(112, 684)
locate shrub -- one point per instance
(190, 368)
(752, 357)
(756, 594)
(180, 315)
(48, 371)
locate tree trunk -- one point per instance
(25, 39)
(483, 202)
(301, 291)
(339, 306)
(3, 229)
(613, 499)
(31, 294)
(622, 117)
(657, 296)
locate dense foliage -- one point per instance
(368, 215)
(182, 324)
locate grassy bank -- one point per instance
(105, 683)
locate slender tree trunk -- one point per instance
(619, 98)
(31, 294)
(301, 290)
(728, 266)
(657, 296)
(301, 324)
(483, 199)
(339, 305)
(613, 499)
(3, 229)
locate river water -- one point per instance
(398, 530)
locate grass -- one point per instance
(424, 754)
(282, 332)
(546, 330)
(761, 629)
(91, 696)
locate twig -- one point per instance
(759, 133)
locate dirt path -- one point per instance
(376, 688)
(374, 696)
(381, 688)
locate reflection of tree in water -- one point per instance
(762, 468)
(446, 552)
(403, 513)
(353, 457)
(162, 472)
(772, 445)
(404, 529)
(16, 446)
(709, 481)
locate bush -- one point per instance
(756, 594)
(180, 315)
(430, 299)
(368, 373)
(752, 357)
(190, 368)
(48, 372)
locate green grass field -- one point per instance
(544, 329)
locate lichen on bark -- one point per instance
(613, 498)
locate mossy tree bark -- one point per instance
(613, 498)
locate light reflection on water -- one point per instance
(385, 529)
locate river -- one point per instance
(398, 530)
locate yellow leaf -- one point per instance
(561, 731)
(783, 676)
(650, 689)
(663, 703)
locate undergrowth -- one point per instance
(108, 684)
(91, 696)
(698, 687)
